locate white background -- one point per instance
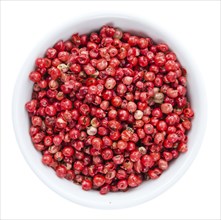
(196, 25)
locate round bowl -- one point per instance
(147, 190)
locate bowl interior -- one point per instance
(148, 189)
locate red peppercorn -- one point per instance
(50, 110)
(134, 180)
(140, 132)
(148, 128)
(98, 180)
(186, 124)
(161, 126)
(188, 112)
(57, 140)
(97, 143)
(68, 151)
(121, 89)
(123, 115)
(66, 104)
(102, 64)
(70, 175)
(86, 184)
(149, 76)
(51, 53)
(159, 59)
(182, 147)
(155, 155)
(78, 165)
(107, 154)
(61, 171)
(122, 145)
(122, 184)
(48, 141)
(155, 173)
(31, 105)
(116, 101)
(135, 155)
(61, 123)
(35, 76)
(147, 161)
(54, 73)
(172, 137)
(162, 164)
(115, 135)
(105, 189)
(131, 107)
(167, 155)
(166, 108)
(126, 135)
(47, 159)
(118, 159)
(58, 156)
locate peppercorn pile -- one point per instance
(109, 109)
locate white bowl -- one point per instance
(148, 189)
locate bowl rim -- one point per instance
(82, 19)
